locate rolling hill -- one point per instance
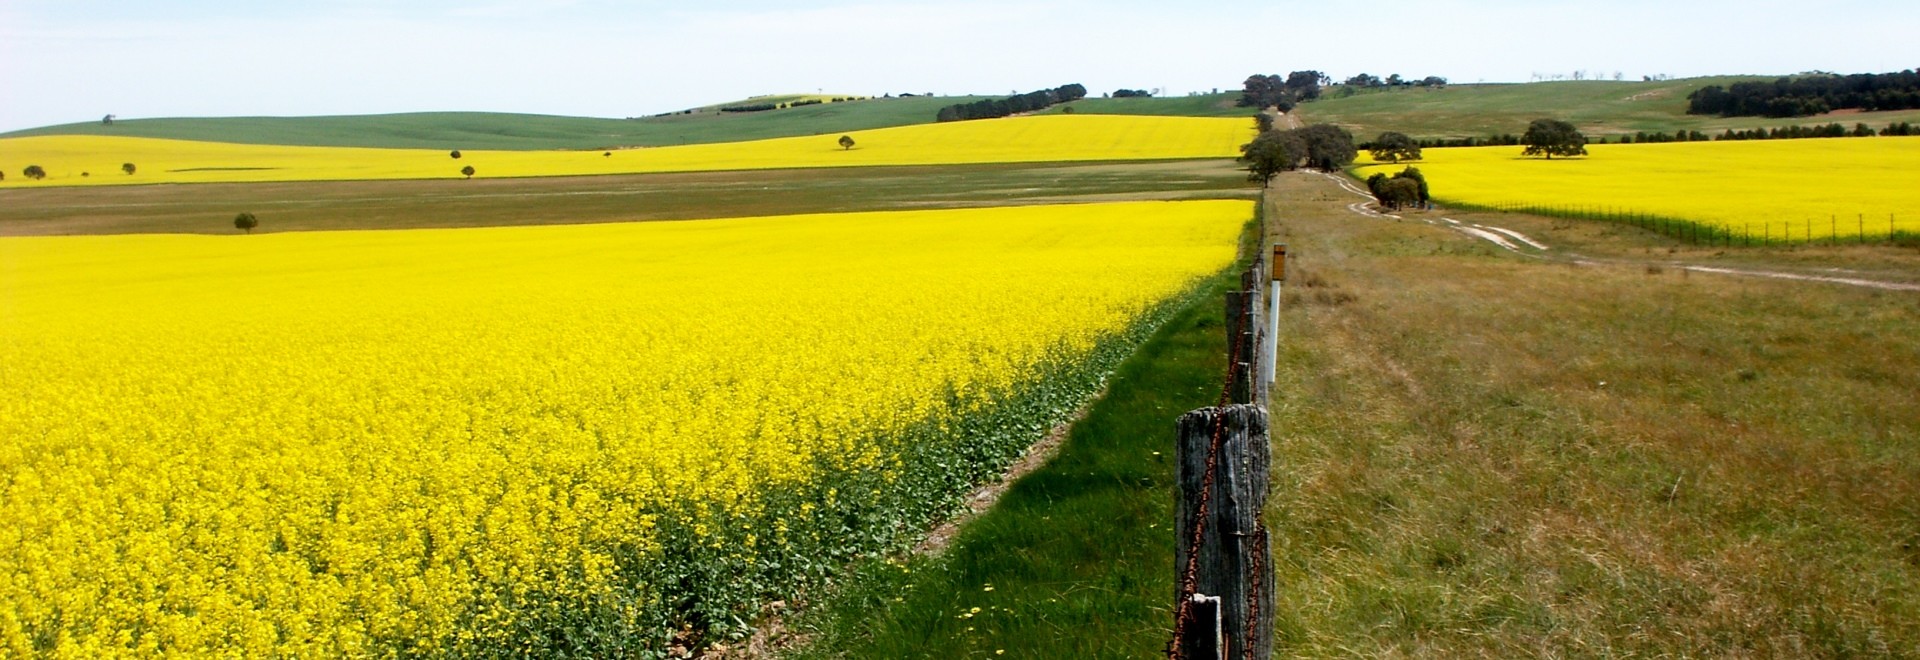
(1598, 107)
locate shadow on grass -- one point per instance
(1076, 560)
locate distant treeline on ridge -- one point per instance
(1809, 95)
(1028, 102)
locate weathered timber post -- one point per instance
(1232, 561)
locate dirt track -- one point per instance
(1506, 238)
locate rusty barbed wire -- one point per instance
(1183, 608)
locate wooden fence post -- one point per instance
(1233, 559)
(1246, 336)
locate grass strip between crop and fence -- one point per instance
(1077, 558)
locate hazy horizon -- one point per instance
(78, 61)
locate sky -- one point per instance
(67, 61)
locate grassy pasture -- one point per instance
(333, 205)
(1598, 108)
(1494, 456)
(1203, 105)
(1484, 455)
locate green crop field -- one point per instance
(1599, 108)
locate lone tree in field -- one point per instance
(34, 172)
(1394, 147)
(455, 154)
(128, 168)
(846, 142)
(245, 221)
(1329, 147)
(1271, 153)
(468, 170)
(1552, 137)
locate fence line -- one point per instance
(1806, 231)
(1223, 605)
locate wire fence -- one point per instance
(1835, 229)
(1224, 596)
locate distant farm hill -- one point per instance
(1599, 108)
(792, 116)
(505, 131)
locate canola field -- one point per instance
(74, 160)
(512, 441)
(1798, 190)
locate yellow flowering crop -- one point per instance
(1018, 139)
(1744, 186)
(522, 440)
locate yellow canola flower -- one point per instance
(1040, 138)
(316, 444)
(1810, 187)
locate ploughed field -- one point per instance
(528, 439)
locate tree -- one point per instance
(1394, 147)
(1329, 147)
(1408, 188)
(107, 120)
(468, 170)
(1364, 80)
(34, 172)
(245, 221)
(1400, 193)
(128, 168)
(1552, 137)
(455, 154)
(1271, 153)
(846, 142)
(1420, 180)
(1304, 85)
(1261, 91)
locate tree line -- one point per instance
(1018, 103)
(1832, 130)
(1263, 91)
(1325, 147)
(1809, 95)
(1368, 80)
(763, 107)
(1777, 133)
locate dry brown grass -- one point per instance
(1486, 455)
